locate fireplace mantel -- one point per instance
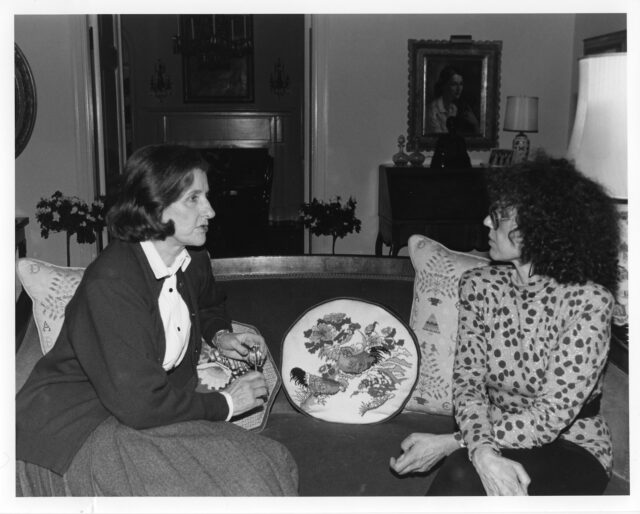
(225, 129)
(243, 129)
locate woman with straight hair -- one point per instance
(113, 409)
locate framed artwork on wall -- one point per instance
(500, 157)
(456, 80)
(606, 43)
(25, 100)
(217, 57)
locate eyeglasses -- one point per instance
(496, 218)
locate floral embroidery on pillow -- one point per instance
(50, 288)
(434, 318)
(350, 353)
(349, 368)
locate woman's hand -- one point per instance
(247, 392)
(421, 451)
(500, 476)
(244, 346)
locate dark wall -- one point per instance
(147, 38)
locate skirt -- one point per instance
(194, 458)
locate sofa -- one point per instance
(343, 459)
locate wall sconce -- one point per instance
(160, 84)
(521, 116)
(279, 79)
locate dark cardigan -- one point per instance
(108, 358)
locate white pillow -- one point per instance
(621, 307)
(50, 288)
(349, 361)
(434, 319)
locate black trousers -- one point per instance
(558, 468)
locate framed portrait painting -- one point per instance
(454, 86)
(217, 58)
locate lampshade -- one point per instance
(598, 143)
(521, 114)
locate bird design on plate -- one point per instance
(355, 361)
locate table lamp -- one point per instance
(521, 116)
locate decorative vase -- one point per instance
(416, 158)
(401, 158)
(520, 147)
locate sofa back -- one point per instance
(271, 292)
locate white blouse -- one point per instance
(173, 310)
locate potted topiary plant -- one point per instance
(72, 215)
(330, 218)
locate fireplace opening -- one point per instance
(240, 181)
(253, 162)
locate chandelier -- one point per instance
(214, 37)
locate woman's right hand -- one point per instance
(500, 476)
(247, 392)
(421, 451)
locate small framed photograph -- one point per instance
(500, 157)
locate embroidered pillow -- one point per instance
(349, 361)
(434, 319)
(216, 371)
(621, 308)
(50, 288)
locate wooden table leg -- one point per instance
(379, 245)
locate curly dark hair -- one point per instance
(568, 223)
(154, 177)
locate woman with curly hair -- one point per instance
(533, 339)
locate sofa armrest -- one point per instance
(28, 354)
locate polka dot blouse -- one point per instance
(528, 358)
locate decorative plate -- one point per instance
(349, 361)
